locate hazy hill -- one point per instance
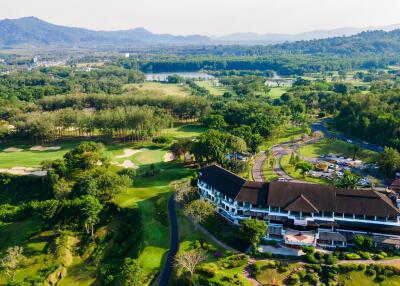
(33, 31)
(254, 38)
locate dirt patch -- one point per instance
(168, 157)
(128, 164)
(13, 149)
(24, 171)
(42, 148)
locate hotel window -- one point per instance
(370, 217)
(273, 209)
(306, 214)
(327, 214)
(359, 217)
(348, 216)
(295, 213)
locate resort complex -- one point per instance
(300, 214)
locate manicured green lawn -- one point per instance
(276, 92)
(214, 90)
(154, 154)
(159, 88)
(337, 147)
(184, 131)
(357, 278)
(144, 195)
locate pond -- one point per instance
(187, 75)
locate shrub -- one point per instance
(361, 267)
(370, 272)
(283, 269)
(311, 259)
(364, 254)
(352, 256)
(234, 261)
(330, 259)
(302, 273)
(207, 270)
(255, 270)
(312, 278)
(380, 278)
(377, 257)
(270, 265)
(308, 249)
(294, 279)
(344, 268)
(162, 140)
(383, 254)
(316, 267)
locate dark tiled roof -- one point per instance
(224, 181)
(281, 194)
(299, 197)
(364, 202)
(253, 192)
(333, 236)
(301, 204)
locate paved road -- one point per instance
(257, 172)
(319, 126)
(174, 243)
(285, 149)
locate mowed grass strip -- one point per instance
(337, 147)
(159, 88)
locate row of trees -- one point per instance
(179, 107)
(131, 121)
(33, 85)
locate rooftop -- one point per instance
(289, 196)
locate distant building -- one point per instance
(303, 214)
(127, 55)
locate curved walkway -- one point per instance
(174, 243)
(257, 171)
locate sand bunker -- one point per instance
(23, 171)
(168, 157)
(41, 148)
(13, 149)
(127, 164)
(130, 152)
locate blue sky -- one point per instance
(210, 17)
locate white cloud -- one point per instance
(212, 17)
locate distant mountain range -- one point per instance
(36, 32)
(253, 38)
(33, 31)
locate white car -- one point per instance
(349, 141)
(282, 180)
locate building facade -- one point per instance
(301, 214)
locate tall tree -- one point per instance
(389, 162)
